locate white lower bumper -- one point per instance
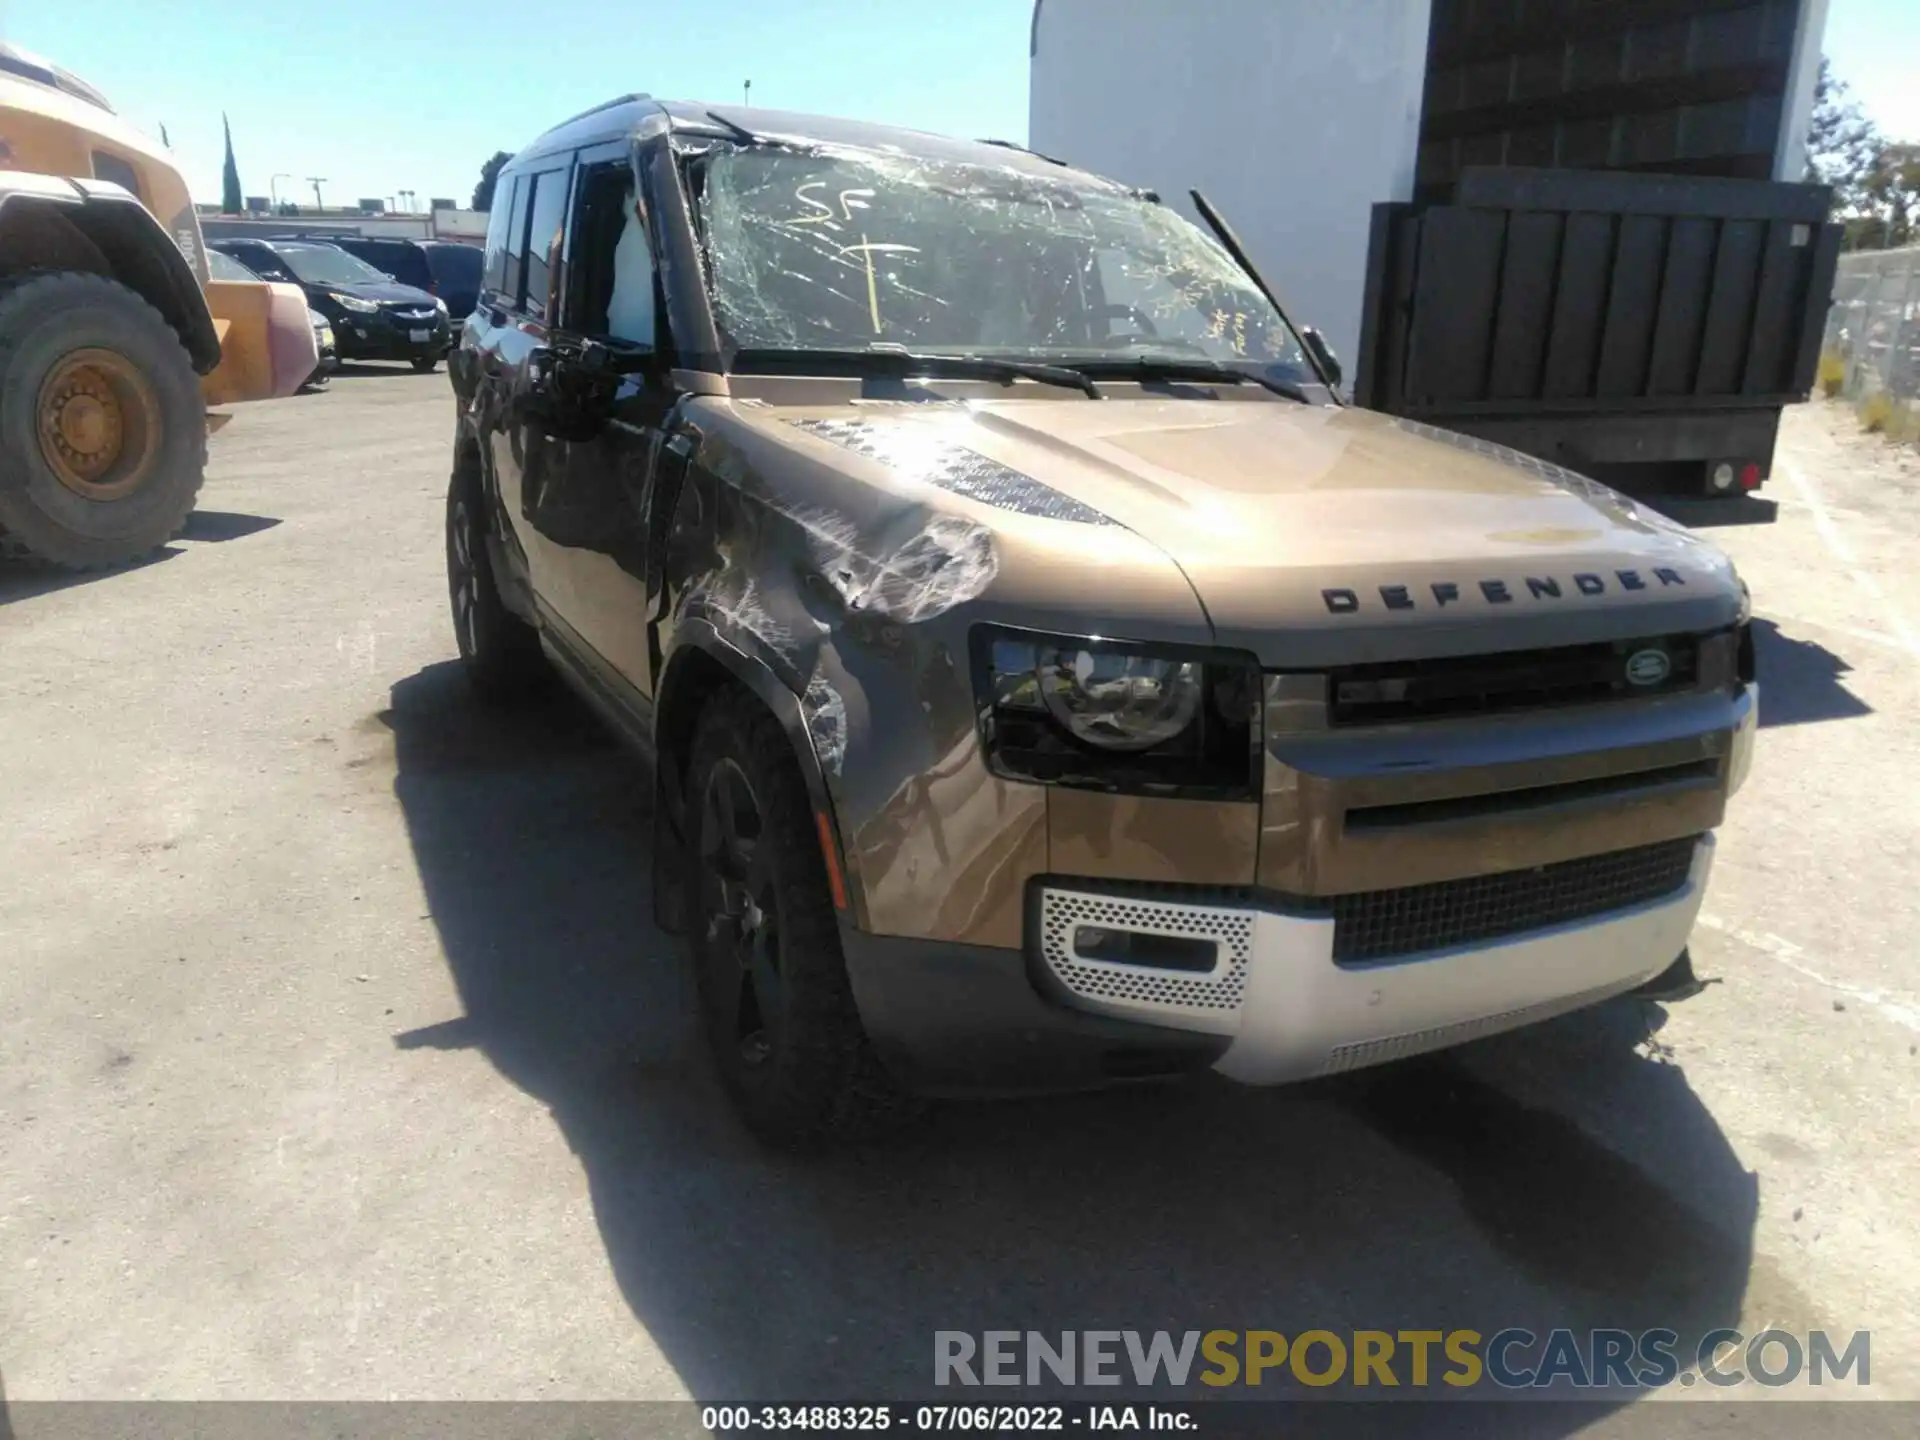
(1293, 1013)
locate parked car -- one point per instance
(1049, 681)
(374, 317)
(456, 274)
(440, 267)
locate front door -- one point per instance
(595, 503)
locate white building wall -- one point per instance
(1292, 116)
(1790, 153)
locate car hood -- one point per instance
(1315, 533)
(386, 291)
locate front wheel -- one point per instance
(775, 1001)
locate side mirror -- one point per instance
(1323, 354)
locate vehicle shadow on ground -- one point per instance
(215, 526)
(24, 579)
(1456, 1192)
(1700, 512)
(1800, 680)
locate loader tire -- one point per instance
(103, 434)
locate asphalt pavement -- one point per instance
(339, 1059)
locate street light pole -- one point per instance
(746, 93)
(273, 187)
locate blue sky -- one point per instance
(416, 93)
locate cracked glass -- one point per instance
(835, 249)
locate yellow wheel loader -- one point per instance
(114, 343)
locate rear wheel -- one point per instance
(500, 651)
(775, 1001)
(103, 436)
(425, 364)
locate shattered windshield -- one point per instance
(843, 250)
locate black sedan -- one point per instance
(373, 316)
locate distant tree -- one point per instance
(231, 201)
(489, 177)
(1891, 196)
(1842, 144)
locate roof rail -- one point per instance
(603, 105)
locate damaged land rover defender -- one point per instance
(1049, 679)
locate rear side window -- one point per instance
(545, 234)
(406, 263)
(456, 267)
(388, 256)
(507, 222)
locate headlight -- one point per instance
(353, 303)
(1110, 715)
(1118, 699)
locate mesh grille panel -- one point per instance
(1136, 987)
(1382, 923)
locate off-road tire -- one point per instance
(499, 651)
(44, 318)
(425, 364)
(820, 1083)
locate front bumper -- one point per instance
(1277, 1006)
(1303, 1015)
(377, 337)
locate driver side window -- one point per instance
(617, 295)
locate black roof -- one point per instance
(633, 114)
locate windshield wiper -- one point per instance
(1151, 368)
(897, 360)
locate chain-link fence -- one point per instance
(1873, 329)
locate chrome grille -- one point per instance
(1379, 924)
